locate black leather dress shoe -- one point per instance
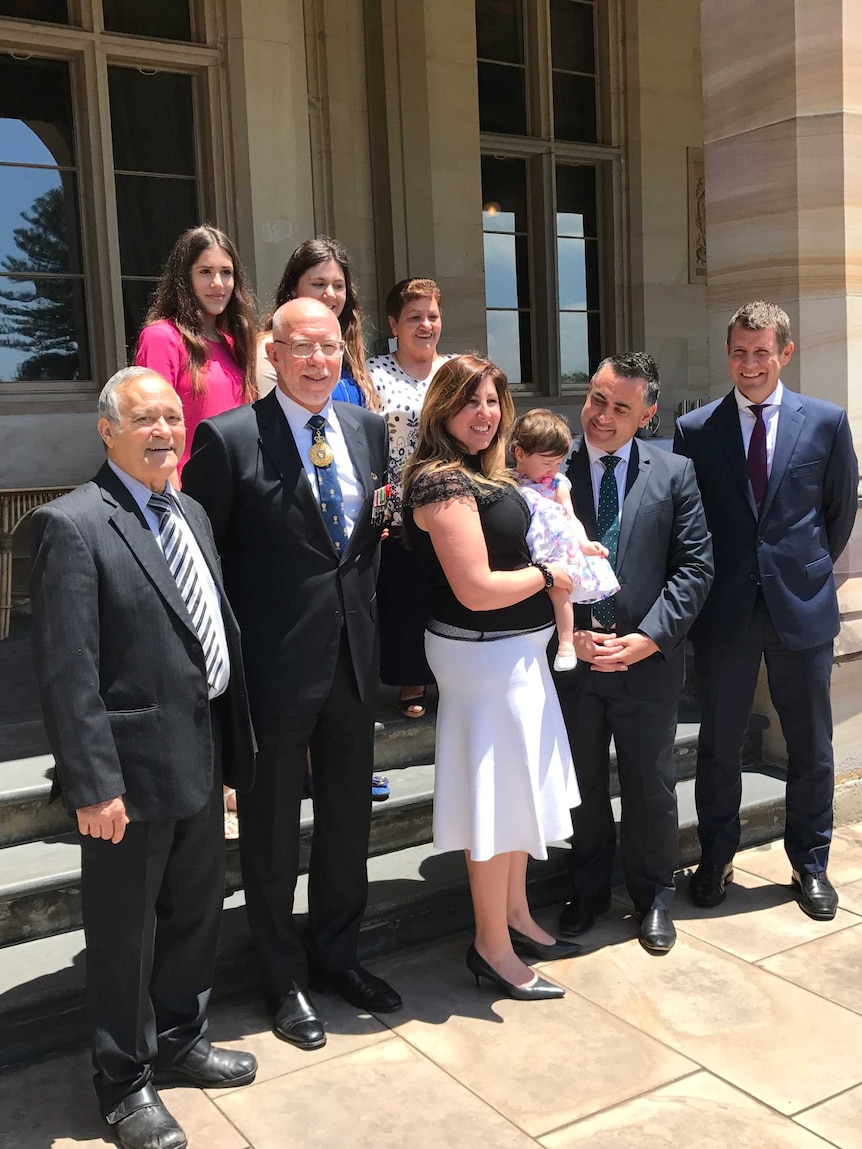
(209, 1068)
(297, 1021)
(579, 915)
(527, 947)
(817, 896)
(358, 987)
(707, 885)
(141, 1121)
(657, 932)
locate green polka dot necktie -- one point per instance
(329, 491)
(608, 528)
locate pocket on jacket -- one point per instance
(819, 568)
(805, 470)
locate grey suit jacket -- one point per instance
(121, 672)
(664, 558)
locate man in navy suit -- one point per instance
(778, 477)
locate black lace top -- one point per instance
(505, 517)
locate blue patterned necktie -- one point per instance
(181, 563)
(608, 529)
(329, 490)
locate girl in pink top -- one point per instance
(200, 331)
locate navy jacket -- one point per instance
(803, 527)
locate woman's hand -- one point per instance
(591, 547)
(562, 578)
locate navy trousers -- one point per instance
(799, 688)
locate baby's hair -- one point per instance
(541, 432)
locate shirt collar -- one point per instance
(775, 398)
(596, 453)
(139, 492)
(297, 415)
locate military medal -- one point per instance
(320, 452)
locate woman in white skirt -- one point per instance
(505, 780)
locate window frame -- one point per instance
(90, 51)
(544, 152)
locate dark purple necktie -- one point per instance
(757, 455)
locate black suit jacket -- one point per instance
(664, 559)
(803, 526)
(291, 592)
(121, 672)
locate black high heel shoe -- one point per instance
(540, 990)
(527, 947)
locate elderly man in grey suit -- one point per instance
(138, 660)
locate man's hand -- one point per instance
(619, 653)
(104, 820)
(590, 646)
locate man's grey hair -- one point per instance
(636, 365)
(109, 402)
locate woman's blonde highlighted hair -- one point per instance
(448, 393)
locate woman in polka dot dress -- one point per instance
(401, 380)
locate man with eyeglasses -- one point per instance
(293, 485)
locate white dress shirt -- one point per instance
(352, 494)
(141, 495)
(747, 419)
(597, 469)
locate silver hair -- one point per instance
(109, 403)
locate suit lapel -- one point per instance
(360, 457)
(276, 439)
(582, 488)
(133, 529)
(724, 424)
(637, 478)
(790, 422)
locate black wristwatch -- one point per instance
(546, 571)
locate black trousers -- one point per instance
(340, 736)
(799, 687)
(598, 707)
(403, 609)
(151, 906)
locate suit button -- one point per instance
(203, 703)
(760, 540)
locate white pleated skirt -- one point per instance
(504, 776)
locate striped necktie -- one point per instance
(173, 532)
(608, 530)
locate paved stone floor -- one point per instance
(748, 1035)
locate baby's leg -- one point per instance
(564, 616)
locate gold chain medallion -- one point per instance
(320, 453)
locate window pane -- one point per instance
(43, 329)
(498, 31)
(148, 142)
(161, 19)
(36, 112)
(39, 228)
(137, 297)
(576, 201)
(572, 264)
(509, 344)
(53, 11)
(572, 45)
(152, 212)
(506, 276)
(502, 103)
(504, 194)
(575, 108)
(574, 347)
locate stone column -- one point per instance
(783, 140)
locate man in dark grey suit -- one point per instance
(140, 672)
(643, 504)
(293, 485)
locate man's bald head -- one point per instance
(301, 331)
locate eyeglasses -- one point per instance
(304, 349)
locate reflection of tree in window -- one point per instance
(40, 320)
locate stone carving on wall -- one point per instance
(696, 217)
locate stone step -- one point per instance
(39, 879)
(416, 895)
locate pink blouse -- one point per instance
(161, 347)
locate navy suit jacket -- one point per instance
(664, 559)
(291, 592)
(804, 525)
(121, 672)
